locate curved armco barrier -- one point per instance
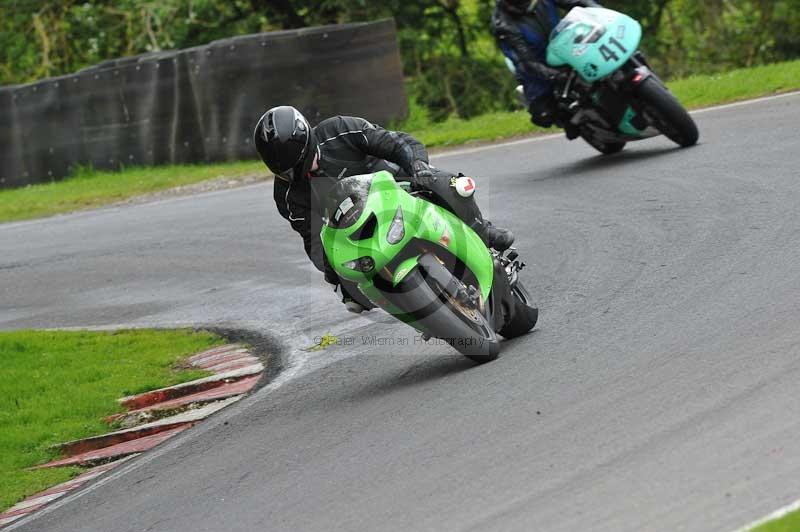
(196, 105)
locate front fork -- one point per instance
(632, 74)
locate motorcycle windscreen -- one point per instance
(595, 42)
(346, 201)
(580, 26)
(366, 218)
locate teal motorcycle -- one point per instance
(420, 263)
(611, 95)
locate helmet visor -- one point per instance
(302, 168)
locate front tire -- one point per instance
(666, 113)
(478, 342)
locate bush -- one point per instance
(450, 86)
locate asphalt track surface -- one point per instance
(661, 390)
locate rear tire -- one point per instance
(666, 113)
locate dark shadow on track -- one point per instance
(601, 162)
(383, 383)
(509, 343)
(420, 372)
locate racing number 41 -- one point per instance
(609, 54)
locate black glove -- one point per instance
(422, 169)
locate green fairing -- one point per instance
(614, 37)
(421, 219)
(403, 269)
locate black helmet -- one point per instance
(517, 6)
(285, 142)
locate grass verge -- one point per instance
(787, 523)
(89, 188)
(58, 386)
(94, 188)
(693, 92)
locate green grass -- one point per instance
(488, 127)
(736, 85)
(89, 188)
(94, 188)
(693, 92)
(788, 523)
(58, 386)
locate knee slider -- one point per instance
(465, 186)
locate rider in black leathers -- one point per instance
(522, 29)
(308, 161)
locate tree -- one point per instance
(452, 64)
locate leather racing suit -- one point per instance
(351, 146)
(523, 38)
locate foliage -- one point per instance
(696, 91)
(452, 64)
(787, 523)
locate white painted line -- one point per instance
(197, 359)
(258, 367)
(467, 151)
(223, 366)
(186, 417)
(746, 102)
(7, 520)
(44, 499)
(777, 514)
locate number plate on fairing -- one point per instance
(594, 41)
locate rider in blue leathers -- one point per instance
(522, 29)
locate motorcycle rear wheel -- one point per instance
(667, 113)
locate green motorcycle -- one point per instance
(420, 263)
(611, 94)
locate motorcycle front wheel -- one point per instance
(667, 113)
(429, 304)
(475, 338)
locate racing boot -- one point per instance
(354, 303)
(353, 306)
(571, 131)
(495, 237)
